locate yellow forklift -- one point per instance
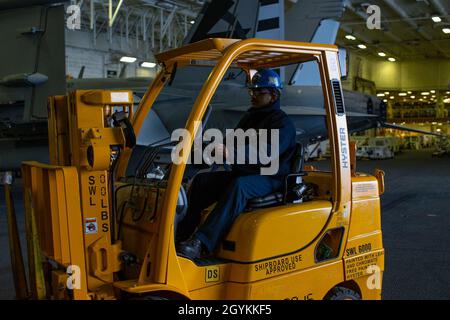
(95, 233)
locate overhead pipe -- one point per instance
(399, 10)
(439, 7)
(11, 4)
(364, 16)
(112, 16)
(358, 35)
(394, 6)
(181, 8)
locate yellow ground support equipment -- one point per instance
(103, 236)
(19, 278)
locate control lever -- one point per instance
(120, 119)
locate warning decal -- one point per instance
(357, 266)
(212, 274)
(90, 226)
(361, 189)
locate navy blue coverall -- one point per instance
(232, 189)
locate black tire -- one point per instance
(155, 298)
(342, 293)
(148, 297)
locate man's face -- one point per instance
(261, 97)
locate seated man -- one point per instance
(232, 189)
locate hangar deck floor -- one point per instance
(415, 219)
(416, 225)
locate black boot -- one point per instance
(191, 248)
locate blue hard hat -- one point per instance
(266, 78)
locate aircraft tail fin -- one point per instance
(311, 21)
(239, 19)
(225, 19)
(270, 24)
(304, 20)
(81, 73)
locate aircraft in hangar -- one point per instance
(23, 127)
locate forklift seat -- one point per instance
(291, 180)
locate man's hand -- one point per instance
(215, 153)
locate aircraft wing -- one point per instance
(312, 111)
(393, 126)
(304, 111)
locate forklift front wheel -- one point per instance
(342, 293)
(148, 297)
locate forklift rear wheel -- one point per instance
(342, 293)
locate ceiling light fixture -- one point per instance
(350, 37)
(382, 54)
(146, 64)
(436, 19)
(362, 46)
(446, 30)
(128, 59)
(391, 59)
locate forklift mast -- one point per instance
(75, 187)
